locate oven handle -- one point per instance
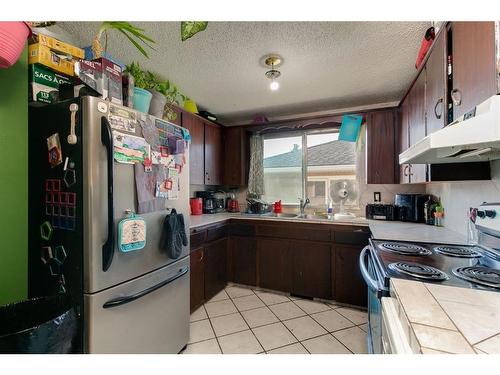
(363, 257)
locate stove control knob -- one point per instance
(481, 214)
(490, 213)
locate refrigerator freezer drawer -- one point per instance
(149, 314)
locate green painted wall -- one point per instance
(14, 181)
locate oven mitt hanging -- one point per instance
(174, 234)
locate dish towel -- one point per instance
(174, 234)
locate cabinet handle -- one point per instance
(202, 256)
(456, 97)
(405, 170)
(440, 101)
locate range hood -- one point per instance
(471, 138)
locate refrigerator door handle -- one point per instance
(107, 141)
(123, 300)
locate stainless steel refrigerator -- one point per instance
(127, 301)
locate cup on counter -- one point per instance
(196, 206)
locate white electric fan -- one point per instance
(344, 192)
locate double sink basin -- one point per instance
(291, 216)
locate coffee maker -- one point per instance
(209, 201)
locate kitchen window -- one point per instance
(306, 165)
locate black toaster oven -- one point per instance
(380, 211)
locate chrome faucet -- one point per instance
(303, 204)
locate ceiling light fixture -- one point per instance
(273, 61)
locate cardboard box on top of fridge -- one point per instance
(103, 76)
(44, 84)
(57, 45)
(40, 54)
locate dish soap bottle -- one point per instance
(329, 210)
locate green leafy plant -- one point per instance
(139, 75)
(133, 33)
(191, 28)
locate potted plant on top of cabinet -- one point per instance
(142, 97)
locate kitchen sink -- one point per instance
(313, 216)
(283, 215)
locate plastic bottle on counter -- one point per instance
(329, 210)
(438, 215)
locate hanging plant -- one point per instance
(134, 34)
(190, 28)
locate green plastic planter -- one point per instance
(142, 99)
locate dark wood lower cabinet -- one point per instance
(215, 267)
(197, 288)
(274, 264)
(349, 284)
(311, 269)
(246, 253)
(243, 255)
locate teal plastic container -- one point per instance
(142, 99)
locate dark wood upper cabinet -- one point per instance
(274, 264)
(474, 65)
(311, 269)
(197, 287)
(236, 156)
(416, 124)
(381, 148)
(196, 128)
(435, 91)
(215, 267)
(404, 141)
(243, 256)
(213, 154)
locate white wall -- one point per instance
(457, 197)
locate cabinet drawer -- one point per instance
(358, 236)
(215, 233)
(197, 238)
(241, 229)
(294, 231)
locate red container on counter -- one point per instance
(196, 206)
(277, 207)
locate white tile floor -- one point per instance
(247, 320)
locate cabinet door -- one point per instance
(474, 66)
(404, 140)
(349, 285)
(435, 89)
(213, 154)
(311, 269)
(416, 124)
(381, 148)
(196, 149)
(243, 260)
(215, 267)
(197, 287)
(274, 264)
(236, 149)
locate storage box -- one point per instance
(44, 84)
(57, 46)
(40, 54)
(103, 76)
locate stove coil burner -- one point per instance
(405, 248)
(457, 251)
(419, 271)
(479, 275)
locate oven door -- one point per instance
(376, 291)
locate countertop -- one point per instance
(382, 230)
(414, 232)
(445, 319)
(208, 219)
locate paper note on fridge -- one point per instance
(130, 149)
